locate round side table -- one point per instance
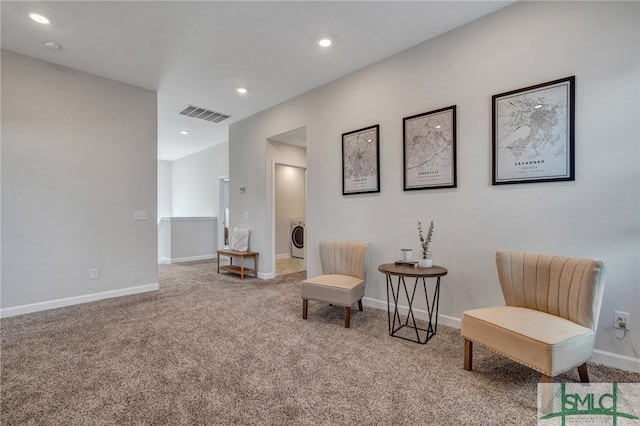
(402, 272)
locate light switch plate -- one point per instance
(140, 215)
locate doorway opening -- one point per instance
(289, 227)
(289, 183)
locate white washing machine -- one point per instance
(297, 238)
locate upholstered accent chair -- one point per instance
(343, 279)
(551, 314)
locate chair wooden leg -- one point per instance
(347, 317)
(468, 355)
(305, 306)
(584, 374)
(360, 304)
(546, 394)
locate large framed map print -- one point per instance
(430, 150)
(533, 133)
(361, 161)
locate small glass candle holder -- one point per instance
(406, 255)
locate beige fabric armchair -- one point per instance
(551, 314)
(344, 269)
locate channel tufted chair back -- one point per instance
(567, 287)
(344, 258)
(550, 317)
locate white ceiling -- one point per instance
(198, 52)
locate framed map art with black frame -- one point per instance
(429, 150)
(533, 133)
(361, 161)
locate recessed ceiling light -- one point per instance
(51, 45)
(241, 90)
(184, 132)
(538, 106)
(324, 42)
(41, 19)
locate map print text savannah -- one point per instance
(531, 134)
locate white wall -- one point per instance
(78, 158)
(289, 204)
(190, 187)
(195, 182)
(185, 239)
(527, 43)
(164, 189)
(164, 209)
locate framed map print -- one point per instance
(361, 161)
(533, 133)
(430, 150)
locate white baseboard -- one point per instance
(266, 276)
(283, 256)
(609, 359)
(76, 300)
(187, 259)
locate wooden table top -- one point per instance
(410, 271)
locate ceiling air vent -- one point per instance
(203, 114)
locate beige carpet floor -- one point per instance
(211, 349)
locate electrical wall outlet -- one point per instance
(95, 274)
(621, 320)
